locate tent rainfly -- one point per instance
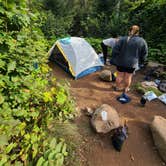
(76, 56)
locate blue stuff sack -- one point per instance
(123, 98)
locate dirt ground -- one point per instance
(138, 149)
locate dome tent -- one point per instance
(75, 55)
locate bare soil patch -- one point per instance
(138, 149)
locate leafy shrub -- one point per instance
(55, 26)
(29, 98)
(54, 154)
(142, 90)
(158, 54)
(95, 43)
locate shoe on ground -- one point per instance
(123, 98)
(117, 89)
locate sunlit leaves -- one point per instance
(4, 159)
(3, 140)
(40, 161)
(10, 147)
(11, 66)
(55, 155)
(1, 99)
(27, 95)
(61, 97)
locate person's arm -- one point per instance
(144, 52)
(116, 48)
(116, 51)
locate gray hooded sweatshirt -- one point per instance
(129, 52)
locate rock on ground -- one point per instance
(105, 118)
(158, 128)
(106, 75)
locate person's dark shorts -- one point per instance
(125, 69)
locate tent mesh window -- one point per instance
(58, 58)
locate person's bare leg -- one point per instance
(119, 79)
(127, 79)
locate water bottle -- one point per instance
(143, 101)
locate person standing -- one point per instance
(127, 55)
(110, 42)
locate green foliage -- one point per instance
(56, 26)
(29, 98)
(142, 90)
(54, 155)
(158, 54)
(150, 16)
(104, 19)
(96, 44)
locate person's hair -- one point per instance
(134, 30)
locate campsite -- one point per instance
(96, 149)
(82, 83)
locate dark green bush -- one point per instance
(158, 54)
(95, 43)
